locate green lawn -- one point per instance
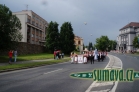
(32, 64)
(137, 53)
(35, 56)
(28, 57)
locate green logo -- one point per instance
(136, 74)
(108, 75)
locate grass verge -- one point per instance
(28, 57)
(33, 64)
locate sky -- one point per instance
(90, 19)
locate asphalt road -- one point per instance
(129, 62)
(50, 78)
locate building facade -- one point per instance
(33, 27)
(126, 37)
(78, 41)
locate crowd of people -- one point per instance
(89, 56)
(58, 54)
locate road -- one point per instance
(55, 78)
(50, 78)
(129, 62)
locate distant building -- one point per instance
(33, 27)
(126, 36)
(78, 41)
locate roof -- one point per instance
(77, 37)
(132, 24)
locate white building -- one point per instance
(126, 36)
(33, 27)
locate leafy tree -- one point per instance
(9, 29)
(136, 42)
(90, 46)
(52, 38)
(102, 43)
(67, 38)
(112, 44)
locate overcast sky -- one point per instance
(103, 17)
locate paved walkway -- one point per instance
(29, 61)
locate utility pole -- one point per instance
(27, 7)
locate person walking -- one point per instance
(76, 58)
(62, 55)
(57, 55)
(54, 54)
(10, 54)
(15, 55)
(95, 54)
(72, 57)
(91, 57)
(85, 58)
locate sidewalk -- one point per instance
(126, 53)
(30, 61)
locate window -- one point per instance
(79, 42)
(32, 35)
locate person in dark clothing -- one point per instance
(98, 56)
(57, 55)
(91, 57)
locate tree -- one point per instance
(67, 38)
(90, 46)
(9, 29)
(112, 44)
(136, 42)
(102, 43)
(52, 37)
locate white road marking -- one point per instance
(95, 84)
(103, 84)
(91, 86)
(52, 71)
(116, 83)
(101, 90)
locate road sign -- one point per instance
(83, 75)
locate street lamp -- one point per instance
(85, 23)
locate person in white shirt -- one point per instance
(95, 54)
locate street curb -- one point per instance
(8, 70)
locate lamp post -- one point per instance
(85, 23)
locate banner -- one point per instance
(80, 58)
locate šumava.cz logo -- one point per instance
(108, 75)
